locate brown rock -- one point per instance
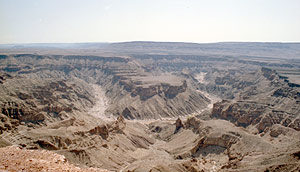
(179, 125)
(100, 130)
(15, 159)
(119, 125)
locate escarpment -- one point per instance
(168, 90)
(146, 96)
(276, 105)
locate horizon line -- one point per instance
(113, 42)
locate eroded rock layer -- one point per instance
(278, 103)
(134, 111)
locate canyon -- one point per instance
(152, 106)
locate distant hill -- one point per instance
(277, 50)
(235, 49)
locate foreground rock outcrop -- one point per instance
(14, 159)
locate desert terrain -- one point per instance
(150, 107)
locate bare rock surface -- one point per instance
(137, 110)
(15, 159)
(276, 104)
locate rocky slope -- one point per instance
(216, 145)
(132, 91)
(46, 101)
(271, 101)
(120, 113)
(15, 159)
(135, 99)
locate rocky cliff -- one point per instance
(147, 96)
(277, 104)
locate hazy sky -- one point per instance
(28, 21)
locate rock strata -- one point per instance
(276, 105)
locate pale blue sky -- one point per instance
(34, 21)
